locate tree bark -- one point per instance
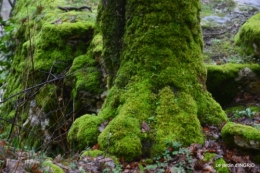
(159, 92)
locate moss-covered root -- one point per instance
(123, 135)
(176, 120)
(237, 135)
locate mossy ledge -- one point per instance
(237, 135)
(160, 81)
(226, 81)
(52, 44)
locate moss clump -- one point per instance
(84, 131)
(237, 135)
(248, 36)
(209, 156)
(47, 164)
(221, 166)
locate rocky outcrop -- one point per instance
(229, 82)
(56, 73)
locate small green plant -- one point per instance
(216, 41)
(117, 169)
(174, 150)
(151, 120)
(257, 126)
(244, 113)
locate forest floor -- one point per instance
(220, 22)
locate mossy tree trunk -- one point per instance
(159, 92)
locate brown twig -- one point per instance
(74, 8)
(35, 86)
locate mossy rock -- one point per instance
(84, 131)
(243, 136)
(225, 82)
(248, 36)
(52, 44)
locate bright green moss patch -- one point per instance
(209, 156)
(237, 135)
(61, 43)
(248, 36)
(220, 166)
(84, 131)
(124, 130)
(173, 117)
(85, 69)
(49, 166)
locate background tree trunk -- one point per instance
(159, 92)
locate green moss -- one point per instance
(93, 153)
(227, 75)
(84, 131)
(88, 72)
(248, 36)
(54, 168)
(237, 135)
(124, 131)
(98, 43)
(173, 117)
(209, 156)
(221, 166)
